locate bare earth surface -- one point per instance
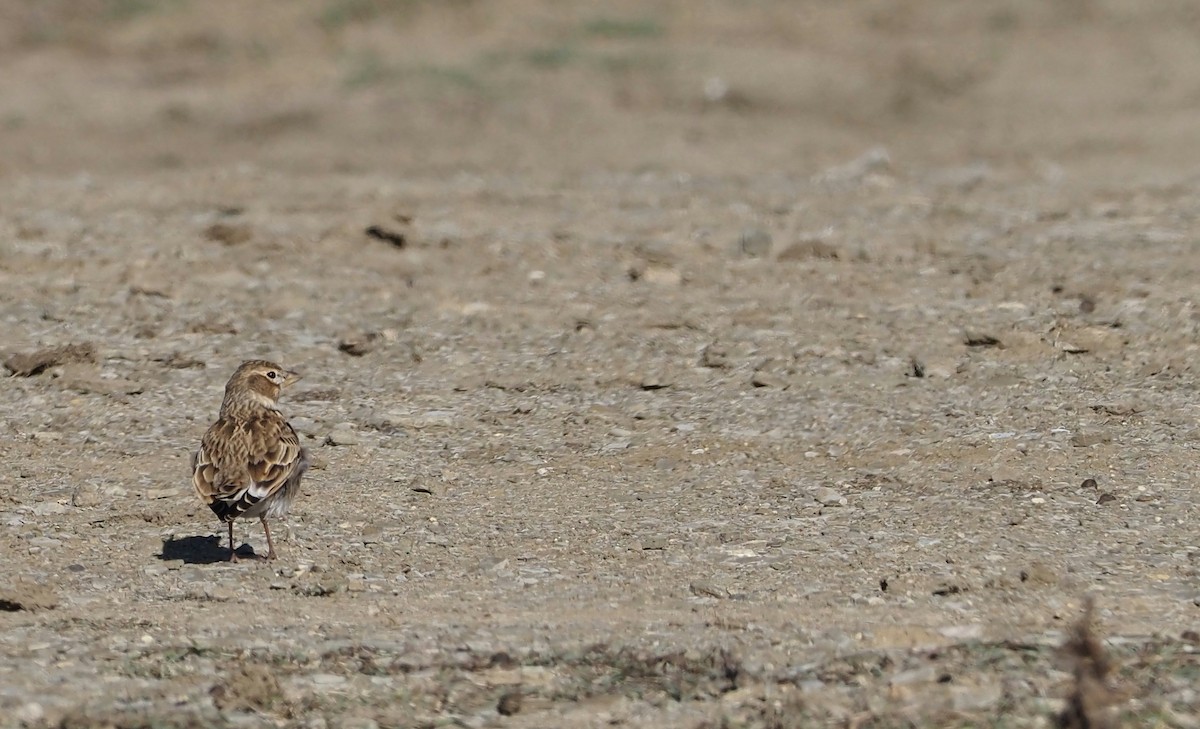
(676, 364)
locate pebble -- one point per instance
(1090, 438)
(49, 508)
(755, 243)
(828, 497)
(708, 589)
(88, 496)
(809, 249)
(306, 426)
(343, 437)
(30, 714)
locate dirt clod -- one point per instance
(248, 687)
(27, 596)
(27, 364)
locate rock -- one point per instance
(509, 703)
(768, 374)
(50, 508)
(714, 356)
(1039, 573)
(828, 497)
(808, 249)
(27, 596)
(1089, 438)
(976, 698)
(395, 238)
(1120, 408)
(178, 361)
(33, 363)
(86, 379)
(874, 161)
(30, 714)
(708, 589)
(248, 687)
(357, 344)
(304, 426)
(1105, 498)
(755, 243)
(229, 234)
(341, 436)
(974, 338)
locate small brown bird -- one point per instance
(250, 461)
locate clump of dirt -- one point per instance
(28, 364)
(22, 595)
(249, 687)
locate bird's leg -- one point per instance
(232, 552)
(270, 544)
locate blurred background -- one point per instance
(1104, 88)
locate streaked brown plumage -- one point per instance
(250, 461)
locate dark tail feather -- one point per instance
(230, 510)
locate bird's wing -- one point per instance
(243, 461)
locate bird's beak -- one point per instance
(292, 378)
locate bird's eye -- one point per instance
(272, 375)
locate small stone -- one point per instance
(654, 543)
(767, 378)
(809, 249)
(708, 589)
(973, 338)
(22, 595)
(1089, 438)
(1105, 498)
(357, 344)
(304, 426)
(50, 508)
(1089, 483)
(662, 275)
(1039, 573)
(755, 243)
(509, 703)
(30, 714)
(828, 497)
(714, 356)
(88, 496)
(228, 234)
(343, 437)
(28, 364)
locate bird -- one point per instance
(250, 460)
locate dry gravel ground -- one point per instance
(775, 367)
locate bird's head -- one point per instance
(259, 381)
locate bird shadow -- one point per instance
(195, 550)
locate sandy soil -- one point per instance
(668, 364)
